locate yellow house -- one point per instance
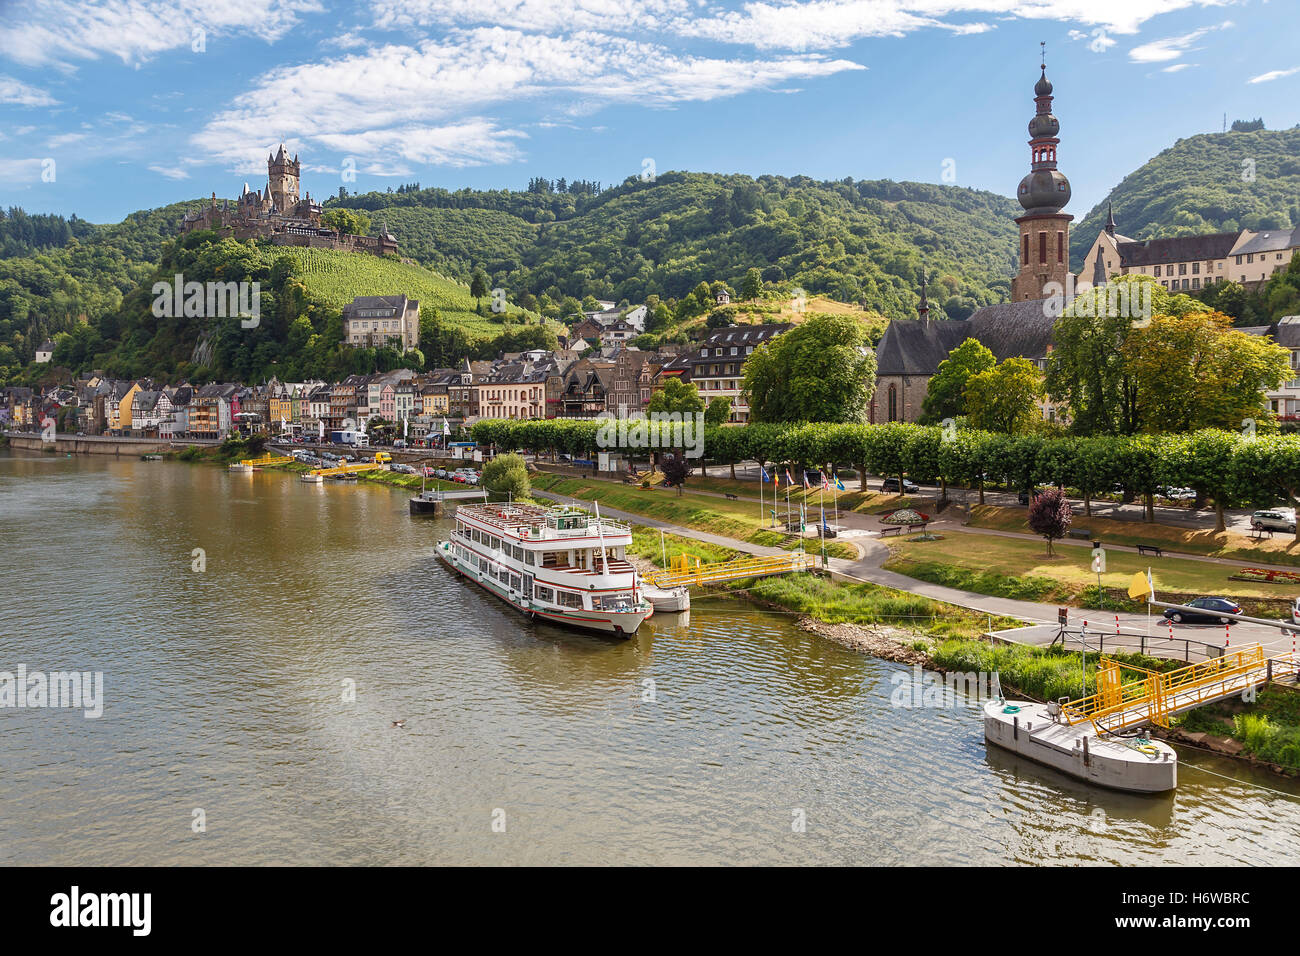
(433, 400)
(120, 412)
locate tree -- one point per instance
(945, 397)
(507, 474)
(676, 468)
(718, 412)
(1195, 371)
(350, 221)
(676, 396)
(1005, 399)
(751, 287)
(1050, 515)
(819, 371)
(478, 287)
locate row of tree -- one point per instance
(1227, 468)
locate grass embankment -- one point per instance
(868, 502)
(731, 519)
(986, 564)
(646, 544)
(1280, 549)
(1044, 673)
(1268, 729)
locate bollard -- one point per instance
(1227, 635)
(1117, 625)
(1087, 760)
(1015, 728)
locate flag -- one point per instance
(826, 482)
(446, 429)
(763, 472)
(839, 484)
(1141, 586)
(788, 479)
(805, 480)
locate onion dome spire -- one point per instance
(1045, 190)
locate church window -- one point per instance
(1042, 247)
(893, 404)
(1060, 247)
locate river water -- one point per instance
(229, 734)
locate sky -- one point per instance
(111, 106)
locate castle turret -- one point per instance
(283, 175)
(1043, 193)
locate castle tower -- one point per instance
(1044, 229)
(282, 173)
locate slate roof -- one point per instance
(1007, 329)
(1156, 252)
(1274, 240)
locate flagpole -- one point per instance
(823, 529)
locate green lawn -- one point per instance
(1280, 549)
(731, 519)
(1021, 569)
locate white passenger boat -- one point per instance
(559, 564)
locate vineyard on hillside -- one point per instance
(336, 278)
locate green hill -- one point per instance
(860, 242)
(1214, 182)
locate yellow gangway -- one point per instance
(1155, 696)
(687, 570)
(267, 460)
(349, 469)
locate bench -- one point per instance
(1080, 533)
(891, 529)
(1151, 549)
(731, 496)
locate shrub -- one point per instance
(507, 474)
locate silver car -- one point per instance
(1277, 519)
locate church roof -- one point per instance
(1007, 329)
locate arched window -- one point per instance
(893, 403)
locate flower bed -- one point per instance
(1261, 574)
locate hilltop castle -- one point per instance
(277, 213)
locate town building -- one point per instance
(375, 321)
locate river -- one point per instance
(247, 711)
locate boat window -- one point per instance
(516, 583)
(570, 599)
(528, 558)
(543, 594)
(553, 559)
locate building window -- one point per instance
(1196, 268)
(1024, 256)
(893, 403)
(1182, 268)
(1060, 247)
(1157, 272)
(1042, 248)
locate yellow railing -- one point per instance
(268, 460)
(349, 469)
(1157, 696)
(689, 571)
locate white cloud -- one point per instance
(1176, 68)
(425, 103)
(531, 15)
(21, 170)
(1171, 48)
(20, 94)
(1274, 75)
(64, 31)
(171, 172)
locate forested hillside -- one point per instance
(859, 242)
(1214, 182)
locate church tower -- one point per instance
(1044, 229)
(282, 175)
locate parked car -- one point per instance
(891, 484)
(1295, 612)
(1207, 615)
(1176, 494)
(441, 473)
(1278, 519)
(1025, 494)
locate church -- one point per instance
(909, 353)
(278, 214)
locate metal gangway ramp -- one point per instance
(684, 573)
(267, 460)
(349, 469)
(1155, 696)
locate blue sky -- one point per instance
(111, 106)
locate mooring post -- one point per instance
(1087, 761)
(1015, 728)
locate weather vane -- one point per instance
(1043, 55)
